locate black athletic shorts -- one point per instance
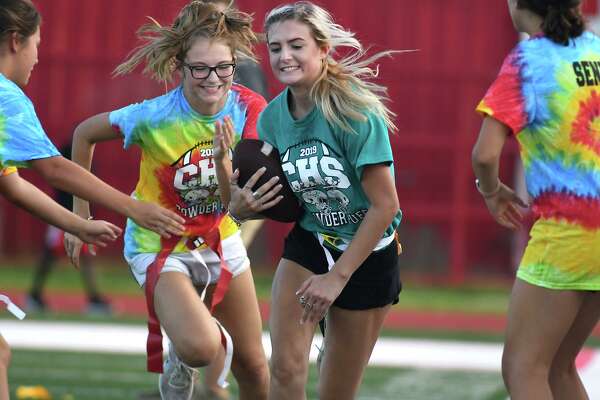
(376, 283)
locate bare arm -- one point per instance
(23, 194)
(71, 177)
(485, 156)
(500, 199)
(322, 290)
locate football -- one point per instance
(251, 154)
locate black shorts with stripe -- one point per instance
(376, 282)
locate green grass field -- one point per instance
(93, 376)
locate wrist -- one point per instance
(236, 220)
(491, 193)
(339, 273)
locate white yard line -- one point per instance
(389, 352)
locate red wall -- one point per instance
(460, 43)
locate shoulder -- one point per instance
(371, 123)
(154, 109)
(12, 98)
(248, 97)
(275, 106)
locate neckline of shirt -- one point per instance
(201, 117)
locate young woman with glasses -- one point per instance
(185, 137)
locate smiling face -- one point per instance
(295, 57)
(26, 58)
(207, 96)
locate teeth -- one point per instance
(289, 68)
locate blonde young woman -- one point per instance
(341, 258)
(185, 138)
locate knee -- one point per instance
(520, 367)
(562, 371)
(199, 352)
(288, 371)
(254, 371)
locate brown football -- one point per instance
(251, 154)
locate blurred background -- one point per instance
(457, 263)
(446, 230)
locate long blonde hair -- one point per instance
(165, 47)
(344, 90)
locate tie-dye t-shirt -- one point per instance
(8, 171)
(549, 96)
(177, 169)
(22, 137)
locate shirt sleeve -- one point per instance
(7, 171)
(126, 121)
(264, 128)
(22, 138)
(370, 144)
(505, 99)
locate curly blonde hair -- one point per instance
(344, 90)
(165, 47)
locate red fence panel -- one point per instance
(460, 45)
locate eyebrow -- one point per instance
(288, 41)
(195, 63)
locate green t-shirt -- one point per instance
(324, 166)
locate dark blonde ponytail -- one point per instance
(562, 18)
(18, 16)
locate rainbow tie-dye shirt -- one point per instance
(176, 169)
(22, 137)
(549, 96)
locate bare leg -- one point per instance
(564, 379)
(538, 322)
(239, 314)
(88, 277)
(186, 320)
(41, 273)
(290, 340)
(341, 369)
(4, 362)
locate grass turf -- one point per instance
(93, 376)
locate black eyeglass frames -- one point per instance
(204, 71)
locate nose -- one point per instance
(212, 77)
(285, 53)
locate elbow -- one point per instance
(483, 159)
(51, 170)
(388, 208)
(79, 136)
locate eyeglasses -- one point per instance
(204, 71)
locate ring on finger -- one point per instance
(256, 195)
(302, 300)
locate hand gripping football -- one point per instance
(250, 155)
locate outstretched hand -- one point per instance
(95, 233)
(245, 202)
(158, 219)
(503, 207)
